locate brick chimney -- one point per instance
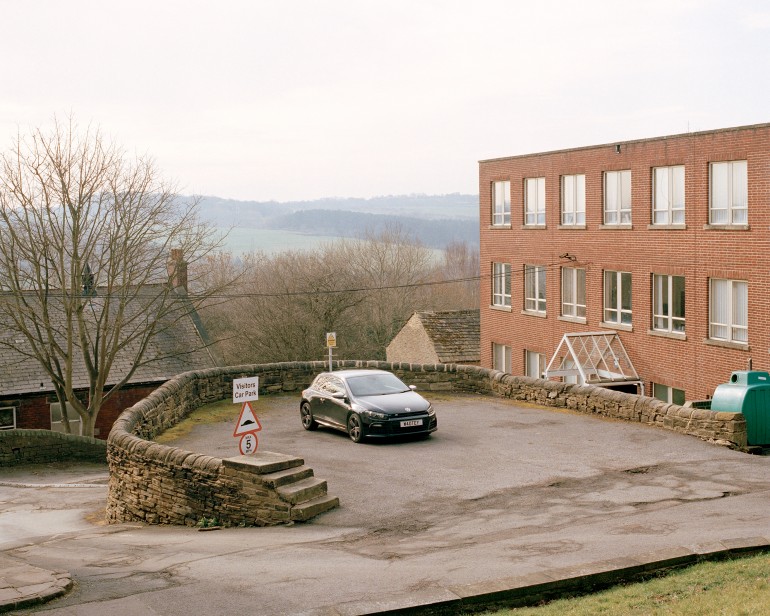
(177, 269)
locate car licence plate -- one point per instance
(411, 422)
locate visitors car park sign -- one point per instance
(247, 426)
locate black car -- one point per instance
(366, 404)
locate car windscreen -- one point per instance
(376, 385)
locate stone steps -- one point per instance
(305, 511)
(288, 476)
(302, 491)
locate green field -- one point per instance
(270, 241)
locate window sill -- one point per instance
(532, 313)
(664, 334)
(623, 327)
(500, 308)
(568, 319)
(624, 227)
(507, 226)
(571, 227)
(533, 226)
(724, 344)
(667, 227)
(726, 227)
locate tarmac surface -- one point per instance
(504, 503)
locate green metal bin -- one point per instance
(748, 392)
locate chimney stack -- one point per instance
(177, 270)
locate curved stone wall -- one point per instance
(160, 484)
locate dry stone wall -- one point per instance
(44, 446)
(159, 484)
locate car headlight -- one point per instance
(373, 414)
(431, 412)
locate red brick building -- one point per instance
(662, 240)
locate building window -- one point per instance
(668, 196)
(534, 200)
(729, 310)
(729, 193)
(573, 200)
(57, 423)
(617, 198)
(668, 394)
(534, 288)
(501, 357)
(501, 284)
(573, 292)
(7, 418)
(668, 303)
(534, 364)
(617, 297)
(501, 203)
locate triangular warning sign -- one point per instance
(247, 421)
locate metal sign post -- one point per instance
(331, 342)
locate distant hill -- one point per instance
(433, 219)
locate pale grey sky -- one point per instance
(257, 99)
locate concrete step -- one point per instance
(288, 476)
(264, 462)
(302, 491)
(312, 508)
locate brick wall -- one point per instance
(694, 251)
(156, 483)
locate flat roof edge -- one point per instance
(628, 141)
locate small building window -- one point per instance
(617, 197)
(729, 310)
(57, 422)
(501, 284)
(534, 364)
(534, 288)
(573, 200)
(7, 418)
(668, 195)
(573, 292)
(668, 303)
(729, 193)
(501, 357)
(617, 297)
(501, 203)
(668, 394)
(534, 201)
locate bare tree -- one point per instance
(85, 237)
(460, 263)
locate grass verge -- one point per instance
(735, 586)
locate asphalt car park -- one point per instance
(501, 491)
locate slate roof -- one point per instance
(455, 334)
(181, 345)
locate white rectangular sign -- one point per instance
(245, 389)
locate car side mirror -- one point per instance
(413, 387)
(339, 395)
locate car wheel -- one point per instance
(355, 429)
(307, 417)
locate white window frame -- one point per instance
(573, 281)
(732, 206)
(617, 197)
(534, 202)
(12, 425)
(729, 319)
(663, 294)
(531, 358)
(76, 426)
(535, 280)
(668, 195)
(573, 200)
(666, 393)
(501, 357)
(501, 284)
(615, 311)
(501, 203)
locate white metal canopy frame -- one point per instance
(594, 358)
